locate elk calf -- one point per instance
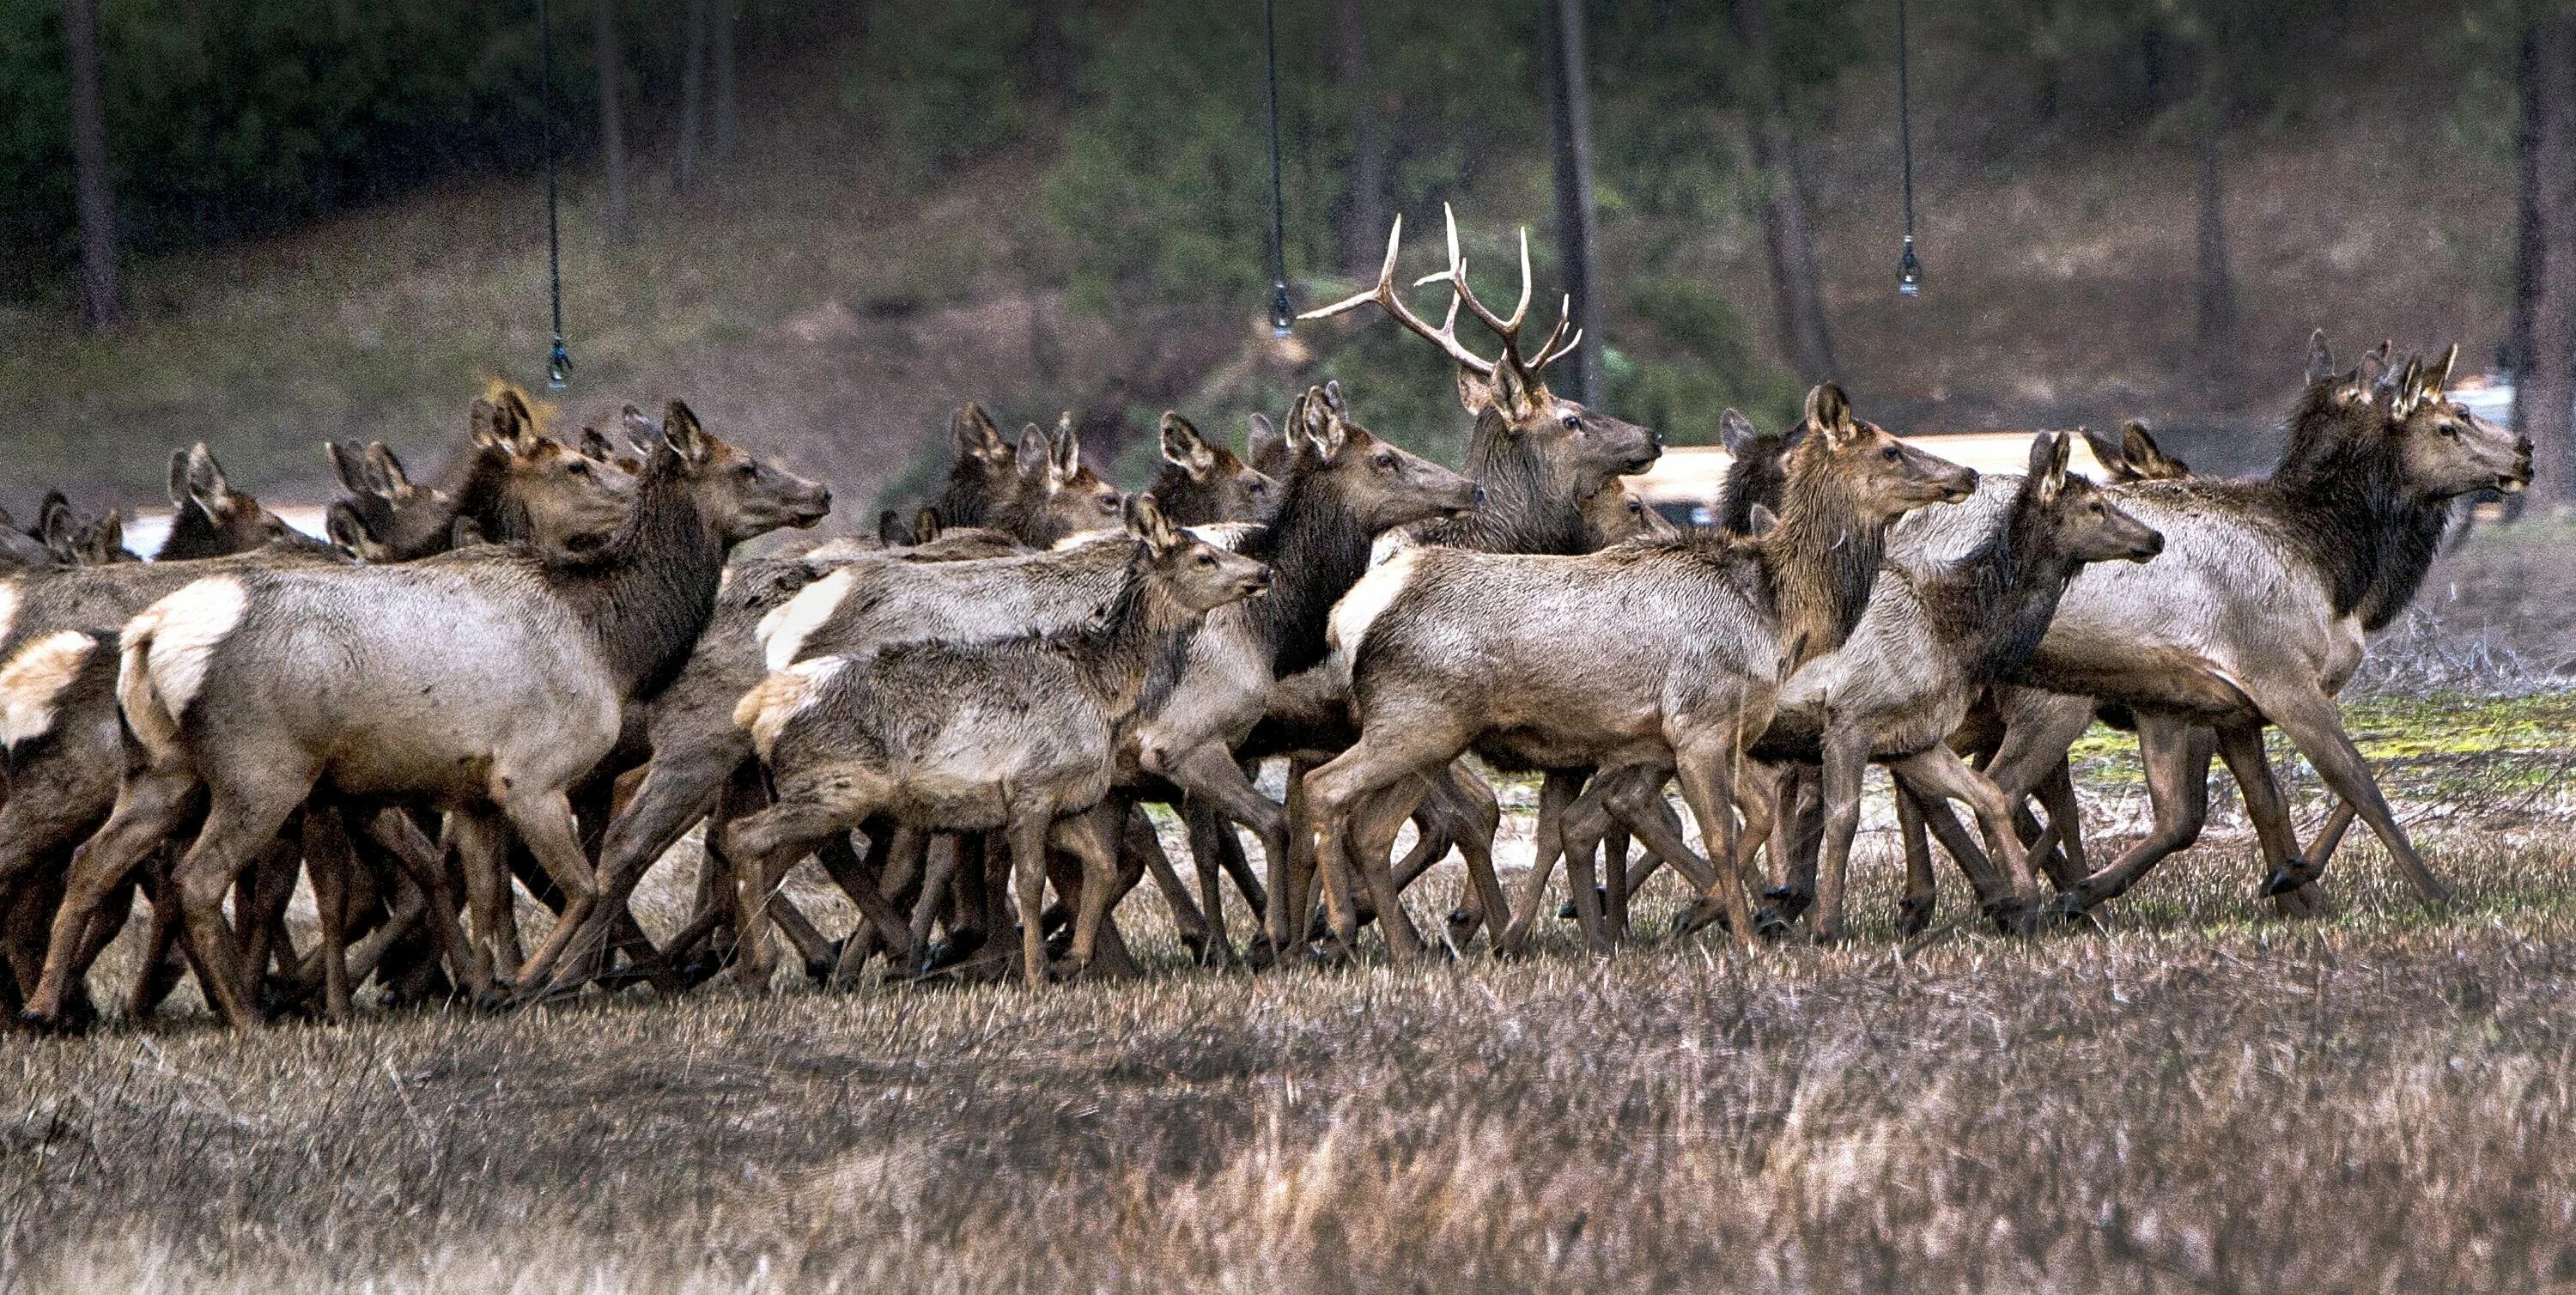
(1016, 735)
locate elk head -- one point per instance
(739, 495)
(2081, 522)
(209, 518)
(1380, 484)
(1202, 481)
(1194, 573)
(2445, 450)
(1867, 473)
(1590, 448)
(1060, 494)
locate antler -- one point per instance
(1386, 298)
(1558, 344)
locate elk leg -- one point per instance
(1028, 884)
(679, 788)
(1209, 777)
(1706, 768)
(1087, 837)
(426, 863)
(544, 820)
(1139, 843)
(327, 858)
(1939, 771)
(2241, 746)
(1370, 767)
(2176, 755)
(864, 883)
(1846, 762)
(2063, 859)
(149, 807)
(1558, 792)
(1922, 898)
(476, 838)
(1637, 800)
(240, 822)
(1207, 834)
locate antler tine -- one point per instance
(1507, 329)
(1551, 351)
(1386, 298)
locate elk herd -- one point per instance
(544, 671)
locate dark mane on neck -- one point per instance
(1527, 508)
(2355, 516)
(1994, 604)
(1318, 551)
(1823, 558)
(649, 590)
(192, 535)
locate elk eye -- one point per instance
(1891, 454)
(1574, 422)
(746, 471)
(1207, 559)
(1385, 462)
(579, 467)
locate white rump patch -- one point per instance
(781, 697)
(783, 632)
(163, 653)
(32, 683)
(8, 608)
(1369, 600)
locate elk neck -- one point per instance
(648, 592)
(2354, 515)
(1821, 560)
(1317, 551)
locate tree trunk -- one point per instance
(2528, 244)
(93, 192)
(728, 131)
(2216, 294)
(2548, 400)
(1575, 243)
(1788, 234)
(1363, 215)
(693, 95)
(612, 119)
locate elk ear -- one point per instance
(926, 526)
(1735, 432)
(2321, 365)
(207, 483)
(2438, 378)
(975, 435)
(111, 532)
(348, 463)
(1185, 449)
(595, 447)
(681, 432)
(58, 528)
(2108, 450)
(1474, 391)
(2146, 457)
(639, 428)
(1260, 438)
(1064, 451)
(1333, 397)
(1761, 520)
(1145, 519)
(891, 532)
(1516, 393)
(484, 427)
(1032, 454)
(1829, 410)
(340, 523)
(2373, 376)
(178, 480)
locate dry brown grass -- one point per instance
(2198, 1099)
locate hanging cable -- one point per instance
(558, 361)
(1282, 313)
(1909, 271)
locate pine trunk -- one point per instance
(728, 129)
(2549, 399)
(693, 95)
(2216, 294)
(1788, 233)
(612, 119)
(1364, 218)
(93, 189)
(1575, 242)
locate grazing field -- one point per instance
(2197, 1097)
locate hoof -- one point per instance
(493, 1001)
(818, 970)
(1463, 920)
(2011, 916)
(1831, 937)
(1770, 923)
(1914, 914)
(2282, 881)
(1699, 917)
(1791, 901)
